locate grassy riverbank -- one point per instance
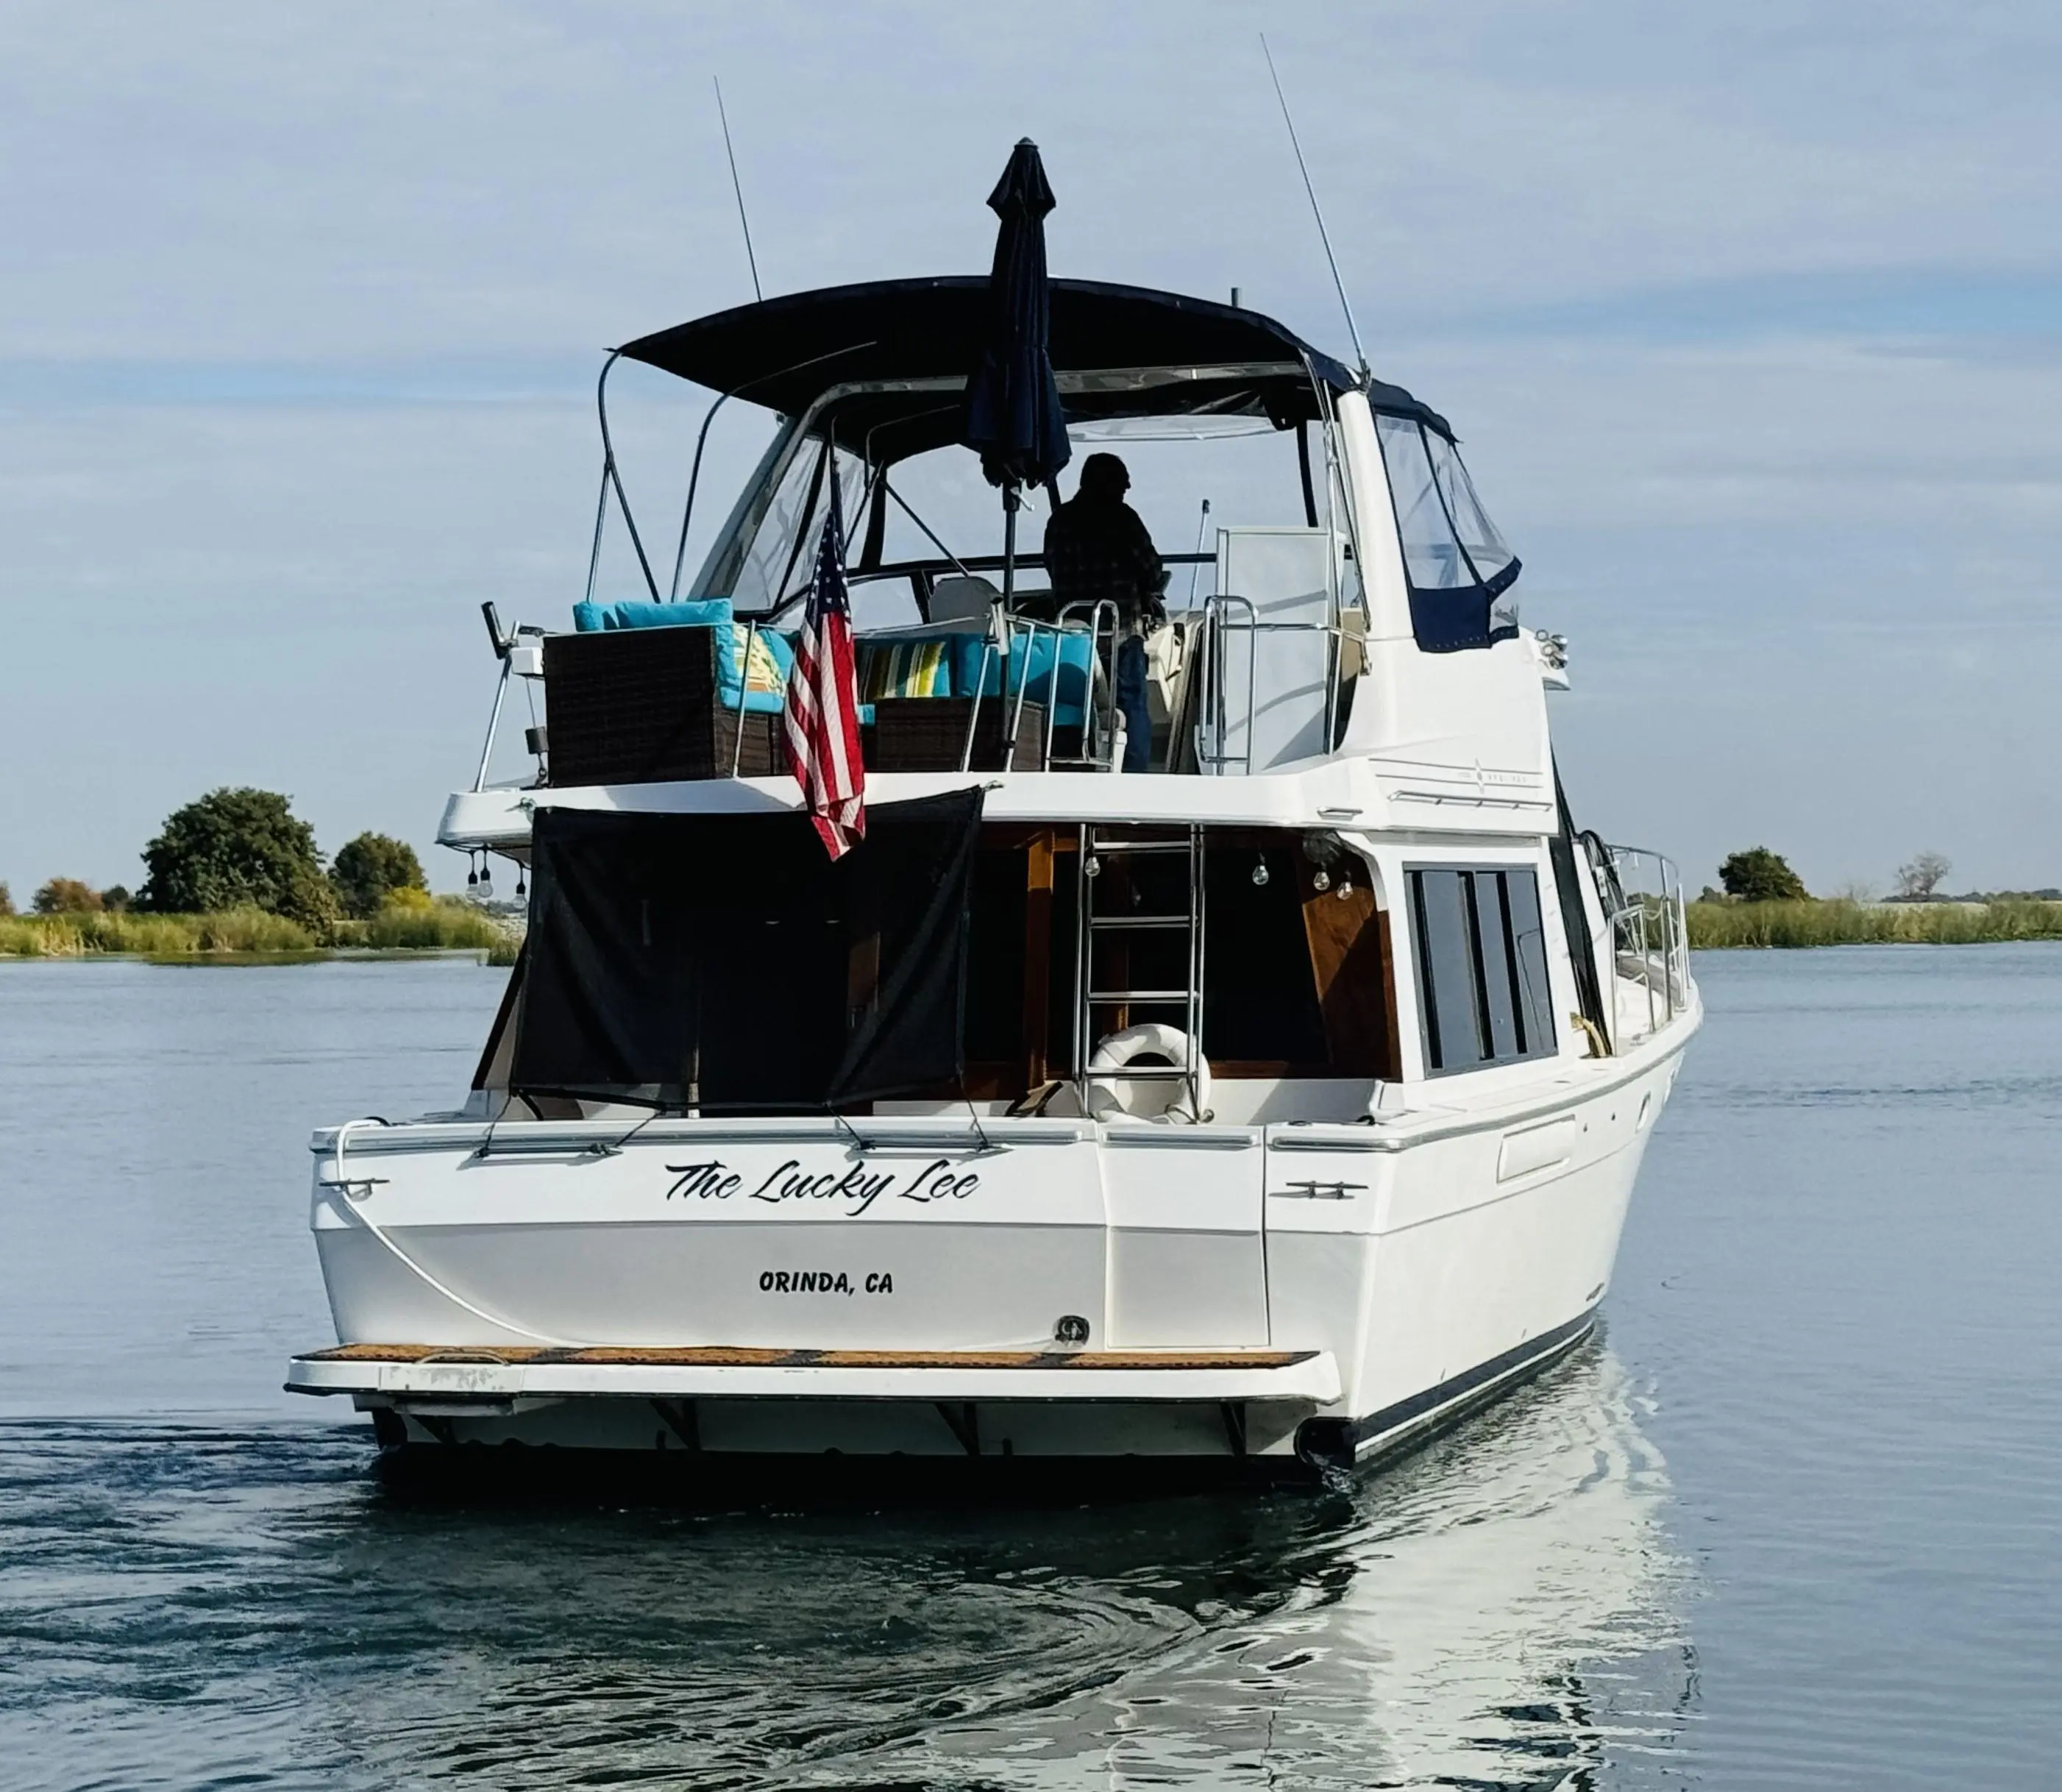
(243, 933)
(454, 926)
(1714, 925)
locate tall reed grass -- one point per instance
(445, 926)
(1714, 925)
(441, 927)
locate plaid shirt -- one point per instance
(1095, 550)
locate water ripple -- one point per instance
(184, 1606)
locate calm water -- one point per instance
(1795, 1523)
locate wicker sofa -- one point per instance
(649, 693)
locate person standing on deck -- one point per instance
(1097, 548)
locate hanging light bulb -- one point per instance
(1093, 867)
(472, 871)
(522, 882)
(1321, 880)
(486, 877)
(1260, 874)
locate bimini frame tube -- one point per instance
(611, 476)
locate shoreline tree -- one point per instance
(371, 869)
(68, 895)
(236, 848)
(1920, 876)
(1757, 874)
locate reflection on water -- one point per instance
(180, 1607)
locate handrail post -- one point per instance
(743, 690)
(493, 722)
(973, 708)
(1023, 684)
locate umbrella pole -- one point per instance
(1011, 499)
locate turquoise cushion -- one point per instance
(730, 643)
(966, 652)
(1031, 673)
(589, 619)
(711, 612)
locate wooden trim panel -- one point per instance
(718, 1356)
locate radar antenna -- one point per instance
(1317, 211)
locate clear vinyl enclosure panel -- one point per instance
(1190, 476)
(1457, 564)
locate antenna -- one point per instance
(737, 187)
(1325, 236)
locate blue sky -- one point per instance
(1750, 319)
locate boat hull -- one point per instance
(1298, 1294)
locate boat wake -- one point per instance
(181, 1605)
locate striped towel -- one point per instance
(904, 669)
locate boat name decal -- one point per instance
(859, 1187)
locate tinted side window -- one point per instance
(1493, 955)
(1445, 978)
(1482, 968)
(1535, 1005)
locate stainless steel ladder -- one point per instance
(1097, 846)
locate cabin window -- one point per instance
(1482, 967)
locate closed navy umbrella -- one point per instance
(1013, 404)
(1014, 419)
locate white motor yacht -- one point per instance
(1271, 1106)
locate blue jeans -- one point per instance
(1131, 704)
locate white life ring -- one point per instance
(1162, 1098)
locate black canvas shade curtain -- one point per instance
(721, 962)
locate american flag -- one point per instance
(823, 703)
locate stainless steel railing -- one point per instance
(1223, 718)
(1215, 729)
(1099, 622)
(1648, 930)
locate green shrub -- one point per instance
(67, 895)
(369, 869)
(1757, 874)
